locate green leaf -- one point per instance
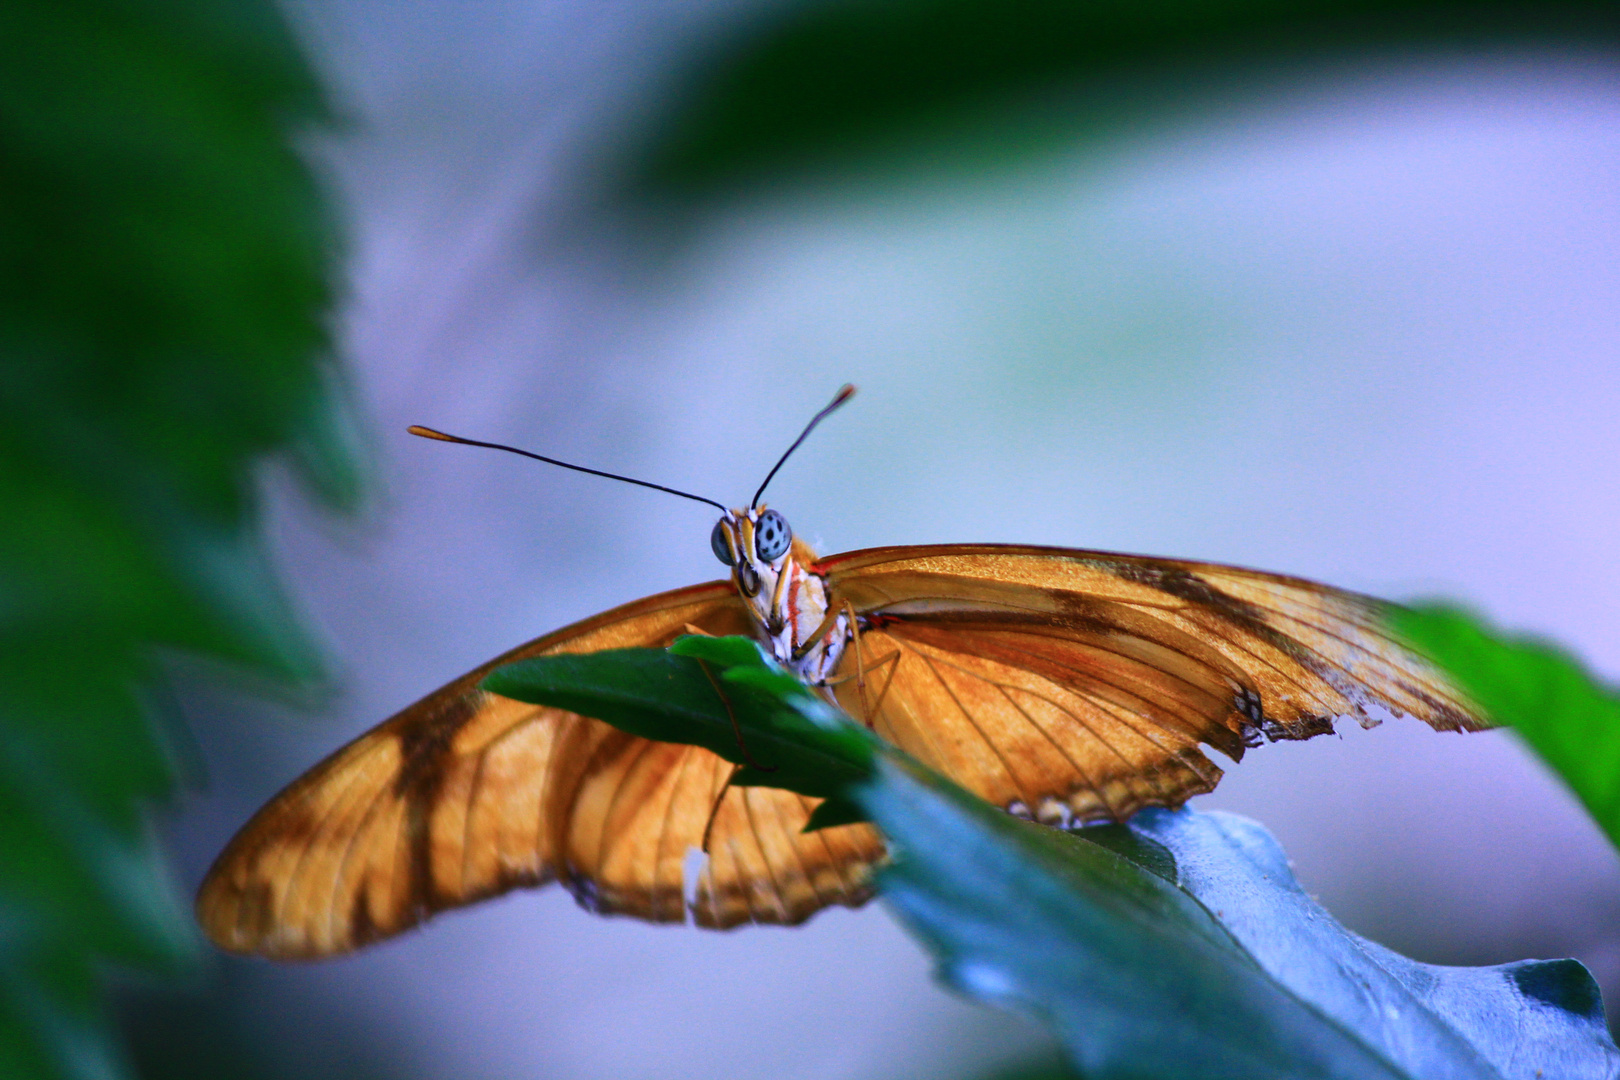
(165, 277)
(830, 82)
(1566, 715)
(722, 694)
(836, 810)
(1204, 958)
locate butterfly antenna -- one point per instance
(845, 392)
(429, 433)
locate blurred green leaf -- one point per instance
(826, 82)
(704, 691)
(1204, 958)
(165, 276)
(1566, 715)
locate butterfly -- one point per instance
(1067, 686)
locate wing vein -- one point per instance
(1006, 768)
(328, 821)
(1124, 715)
(764, 860)
(664, 821)
(604, 843)
(342, 867)
(820, 837)
(793, 848)
(476, 784)
(1085, 776)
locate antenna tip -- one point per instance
(845, 392)
(429, 433)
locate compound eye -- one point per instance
(771, 536)
(717, 540)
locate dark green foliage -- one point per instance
(1548, 696)
(1177, 945)
(165, 266)
(829, 81)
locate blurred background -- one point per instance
(1323, 289)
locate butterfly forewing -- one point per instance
(466, 794)
(1077, 685)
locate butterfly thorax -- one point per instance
(789, 602)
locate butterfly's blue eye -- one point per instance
(771, 536)
(717, 540)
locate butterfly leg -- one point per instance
(860, 664)
(736, 728)
(891, 662)
(714, 810)
(868, 709)
(803, 648)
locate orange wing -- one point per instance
(1076, 685)
(1071, 685)
(465, 795)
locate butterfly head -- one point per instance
(774, 573)
(756, 543)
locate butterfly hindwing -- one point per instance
(763, 869)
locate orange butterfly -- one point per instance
(1069, 686)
